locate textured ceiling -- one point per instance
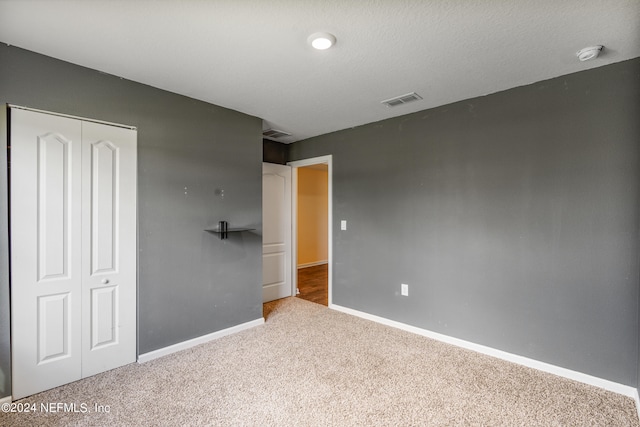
(252, 55)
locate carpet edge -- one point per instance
(146, 357)
(615, 387)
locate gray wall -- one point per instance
(513, 217)
(274, 152)
(197, 164)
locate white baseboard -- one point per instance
(312, 264)
(637, 399)
(197, 341)
(7, 399)
(514, 358)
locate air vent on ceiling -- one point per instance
(402, 99)
(274, 133)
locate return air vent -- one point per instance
(402, 99)
(274, 133)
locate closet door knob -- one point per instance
(105, 281)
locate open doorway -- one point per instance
(312, 224)
(312, 233)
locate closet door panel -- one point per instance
(109, 234)
(45, 251)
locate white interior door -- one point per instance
(109, 247)
(73, 249)
(46, 257)
(276, 231)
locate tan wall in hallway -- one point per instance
(312, 214)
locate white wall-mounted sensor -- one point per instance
(589, 53)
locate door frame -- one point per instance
(327, 160)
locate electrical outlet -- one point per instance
(404, 289)
(343, 224)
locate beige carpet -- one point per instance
(312, 366)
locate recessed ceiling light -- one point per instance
(322, 41)
(589, 53)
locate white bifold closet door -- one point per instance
(73, 249)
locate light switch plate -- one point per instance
(343, 224)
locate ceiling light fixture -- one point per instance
(589, 53)
(322, 41)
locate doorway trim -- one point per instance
(327, 160)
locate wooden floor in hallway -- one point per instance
(313, 283)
